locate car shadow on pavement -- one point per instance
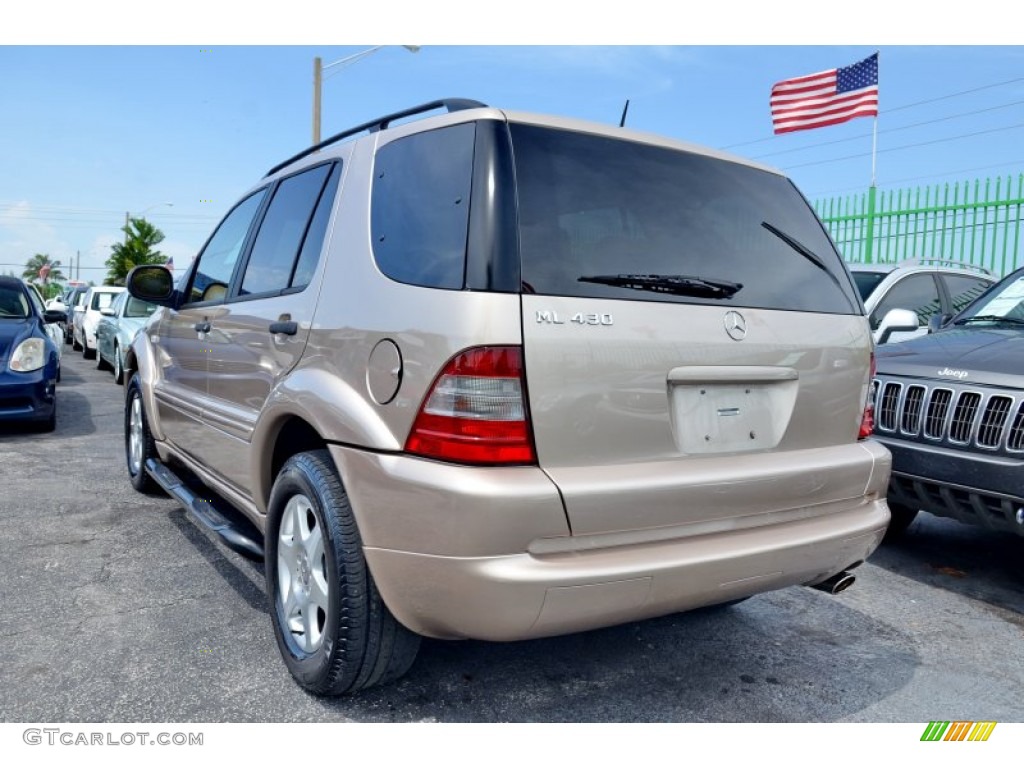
(771, 659)
(972, 561)
(245, 577)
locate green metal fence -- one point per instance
(976, 222)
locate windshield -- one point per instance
(1005, 303)
(13, 304)
(657, 224)
(866, 282)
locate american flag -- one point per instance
(169, 263)
(826, 98)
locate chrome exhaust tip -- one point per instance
(836, 584)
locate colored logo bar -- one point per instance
(958, 731)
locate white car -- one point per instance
(53, 330)
(87, 316)
(924, 287)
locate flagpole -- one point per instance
(874, 132)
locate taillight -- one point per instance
(867, 421)
(475, 413)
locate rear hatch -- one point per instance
(695, 352)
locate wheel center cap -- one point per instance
(305, 574)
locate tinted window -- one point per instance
(13, 302)
(918, 293)
(282, 231)
(420, 206)
(594, 207)
(867, 282)
(217, 261)
(314, 242)
(963, 289)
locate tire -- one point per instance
(75, 346)
(87, 352)
(902, 517)
(101, 364)
(138, 442)
(333, 630)
(118, 366)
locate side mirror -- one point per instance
(897, 320)
(937, 321)
(152, 283)
(107, 311)
(55, 316)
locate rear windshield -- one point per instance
(606, 218)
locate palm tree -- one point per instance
(37, 264)
(137, 248)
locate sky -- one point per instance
(105, 120)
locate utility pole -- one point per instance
(78, 265)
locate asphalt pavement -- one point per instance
(117, 607)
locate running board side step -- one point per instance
(204, 511)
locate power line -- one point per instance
(909, 146)
(893, 109)
(919, 178)
(889, 130)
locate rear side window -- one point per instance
(420, 206)
(606, 218)
(283, 231)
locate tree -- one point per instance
(137, 248)
(42, 262)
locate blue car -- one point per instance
(29, 362)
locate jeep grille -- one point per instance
(991, 421)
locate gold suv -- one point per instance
(495, 375)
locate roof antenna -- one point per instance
(625, 109)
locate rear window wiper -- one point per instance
(681, 285)
(991, 319)
(807, 253)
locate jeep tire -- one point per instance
(333, 630)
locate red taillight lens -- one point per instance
(867, 422)
(475, 413)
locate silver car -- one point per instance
(116, 329)
(497, 375)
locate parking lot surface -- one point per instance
(117, 607)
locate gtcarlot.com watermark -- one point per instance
(59, 736)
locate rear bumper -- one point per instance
(462, 552)
(523, 596)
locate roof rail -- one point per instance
(937, 262)
(379, 124)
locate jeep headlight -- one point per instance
(29, 356)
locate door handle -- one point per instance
(203, 327)
(288, 328)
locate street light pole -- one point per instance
(318, 77)
(127, 217)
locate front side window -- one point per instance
(13, 303)
(217, 261)
(918, 293)
(282, 232)
(606, 218)
(420, 206)
(963, 290)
